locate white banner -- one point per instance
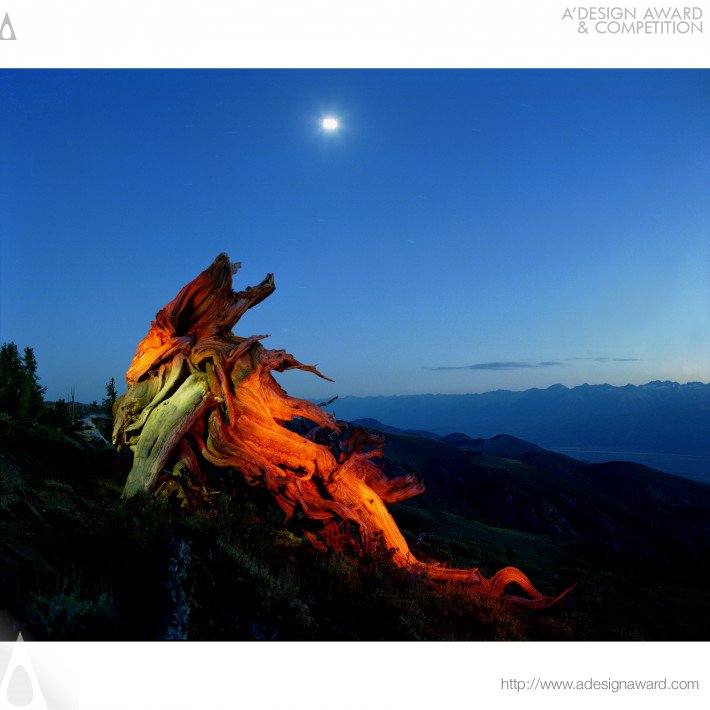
(356, 33)
(352, 676)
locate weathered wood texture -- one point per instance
(200, 397)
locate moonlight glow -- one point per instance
(330, 123)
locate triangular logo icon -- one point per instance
(6, 31)
(20, 687)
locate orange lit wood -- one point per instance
(200, 397)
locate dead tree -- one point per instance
(202, 399)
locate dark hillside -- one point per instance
(77, 562)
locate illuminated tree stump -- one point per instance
(201, 399)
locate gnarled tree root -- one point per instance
(200, 397)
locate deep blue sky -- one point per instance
(499, 219)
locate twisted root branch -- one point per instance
(197, 393)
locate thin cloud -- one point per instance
(606, 359)
(503, 365)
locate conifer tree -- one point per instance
(12, 378)
(111, 396)
(32, 391)
(62, 416)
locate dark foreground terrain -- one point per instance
(77, 563)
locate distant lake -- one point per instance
(696, 468)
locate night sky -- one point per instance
(461, 231)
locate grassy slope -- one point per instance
(635, 557)
(75, 562)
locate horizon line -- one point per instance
(527, 389)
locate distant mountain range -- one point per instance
(661, 424)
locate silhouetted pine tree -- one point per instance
(11, 378)
(111, 396)
(21, 394)
(61, 414)
(32, 395)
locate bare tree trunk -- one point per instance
(199, 396)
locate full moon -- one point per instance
(330, 123)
